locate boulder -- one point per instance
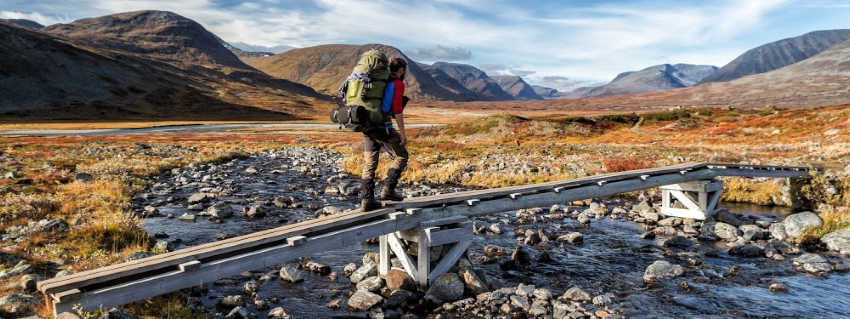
(778, 287)
(84, 177)
(238, 313)
(777, 231)
(520, 302)
(679, 242)
(278, 313)
(399, 297)
(747, 250)
(838, 241)
(726, 231)
(220, 210)
(542, 294)
(473, 281)
(576, 294)
(197, 198)
(367, 270)
(363, 300)
(574, 238)
(232, 301)
(660, 270)
(524, 290)
(291, 274)
(602, 300)
(796, 224)
(52, 225)
(372, 284)
(812, 263)
(447, 288)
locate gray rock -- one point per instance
(250, 287)
(232, 301)
(349, 269)
(670, 221)
(542, 294)
(660, 270)
(372, 284)
(650, 217)
(399, 297)
(54, 225)
(254, 211)
(84, 177)
(576, 294)
(574, 238)
(748, 250)
(473, 281)
(560, 310)
(187, 217)
(524, 290)
(17, 299)
(116, 313)
(725, 216)
(367, 270)
(278, 313)
(679, 242)
(19, 269)
(777, 231)
(161, 247)
(538, 308)
(238, 313)
(778, 287)
(726, 231)
(363, 300)
(447, 288)
(796, 224)
(291, 274)
(812, 263)
(67, 315)
(195, 207)
(838, 241)
(602, 300)
(220, 210)
(520, 302)
(198, 198)
(495, 228)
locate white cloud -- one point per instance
(34, 16)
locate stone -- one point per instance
(778, 287)
(574, 238)
(495, 228)
(84, 177)
(447, 288)
(399, 279)
(542, 294)
(334, 304)
(251, 170)
(520, 302)
(187, 217)
(198, 198)
(798, 223)
(220, 210)
(28, 282)
(576, 294)
(367, 270)
(195, 207)
(602, 300)
(349, 269)
(67, 315)
(650, 217)
(723, 215)
(250, 287)
(538, 308)
(670, 221)
(52, 225)
(116, 313)
(777, 231)
(660, 270)
(726, 231)
(278, 313)
(838, 241)
(232, 301)
(524, 290)
(161, 247)
(291, 274)
(372, 284)
(254, 212)
(238, 313)
(363, 300)
(19, 269)
(679, 242)
(560, 310)
(473, 281)
(812, 263)
(150, 211)
(398, 298)
(747, 250)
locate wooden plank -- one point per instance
(444, 221)
(446, 236)
(423, 260)
(383, 254)
(685, 200)
(296, 240)
(260, 259)
(681, 212)
(190, 266)
(449, 260)
(204, 251)
(401, 254)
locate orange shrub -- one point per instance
(620, 164)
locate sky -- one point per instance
(561, 44)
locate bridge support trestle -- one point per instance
(697, 199)
(453, 233)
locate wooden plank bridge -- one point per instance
(431, 221)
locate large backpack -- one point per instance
(362, 93)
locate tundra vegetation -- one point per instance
(88, 182)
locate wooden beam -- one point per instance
(449, 259)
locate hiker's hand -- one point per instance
(403, 140)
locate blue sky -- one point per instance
(556, 43)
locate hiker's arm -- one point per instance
(399, 118)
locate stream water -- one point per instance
(611, 260)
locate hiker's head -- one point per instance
(398, 66)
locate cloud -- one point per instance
(522, 73)
(34, 16)
(493, 67)
(441, 53)
(561, 83)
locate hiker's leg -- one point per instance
(371, 149)
(393, 145)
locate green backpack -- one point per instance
(365, 86)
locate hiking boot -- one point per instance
(369, 205)
(391, 195)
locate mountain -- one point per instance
(29, 24)
(654, 78)
(260, 48)
(450, 84)
(545, 92)
(160, 35)
(516, 87)
(474, 80)
(325, 67)
(778, 54)
(44, 77)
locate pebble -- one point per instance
(778, 287)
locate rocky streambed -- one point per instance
(607, 259)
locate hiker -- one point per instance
(384, 136)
